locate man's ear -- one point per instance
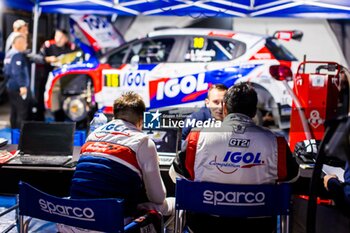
(139, 124)
(224, 109)
(207, 102)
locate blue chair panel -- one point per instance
(232, 200)
(94, 214)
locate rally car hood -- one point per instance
(96, 32)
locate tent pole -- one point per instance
(37, 13)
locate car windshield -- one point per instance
(202, 49)
(279, 51)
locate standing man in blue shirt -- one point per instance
(17, 75)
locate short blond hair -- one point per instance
(218, 86)
(129, 107)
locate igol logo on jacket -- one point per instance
(235, 160)
(86, 214)
(214, 197)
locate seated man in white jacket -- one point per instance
(239, 152)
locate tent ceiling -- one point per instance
(195, 8)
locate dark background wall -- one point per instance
(341, 30)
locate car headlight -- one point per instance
(75, 108)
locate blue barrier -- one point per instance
(5, 133)
(79, 137)
(7, 201)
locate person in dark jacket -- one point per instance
(339, 191)
(48, 55)
(212, 108)
(17, 75)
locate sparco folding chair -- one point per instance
(231, 200)
(104, 215)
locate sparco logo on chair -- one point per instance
(86, 214)
(233, 198)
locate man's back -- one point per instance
(109, 166)
(238, 152)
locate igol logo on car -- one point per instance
(85, 214)
(214, 197)
(168, 91)
(235, 160)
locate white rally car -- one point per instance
(173, 68)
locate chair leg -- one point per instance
(284, 224)
(180, 221)
(169, 224)
(177, 222)
(162, 224)
(24, 224)
(17, 212)
(21, 224)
